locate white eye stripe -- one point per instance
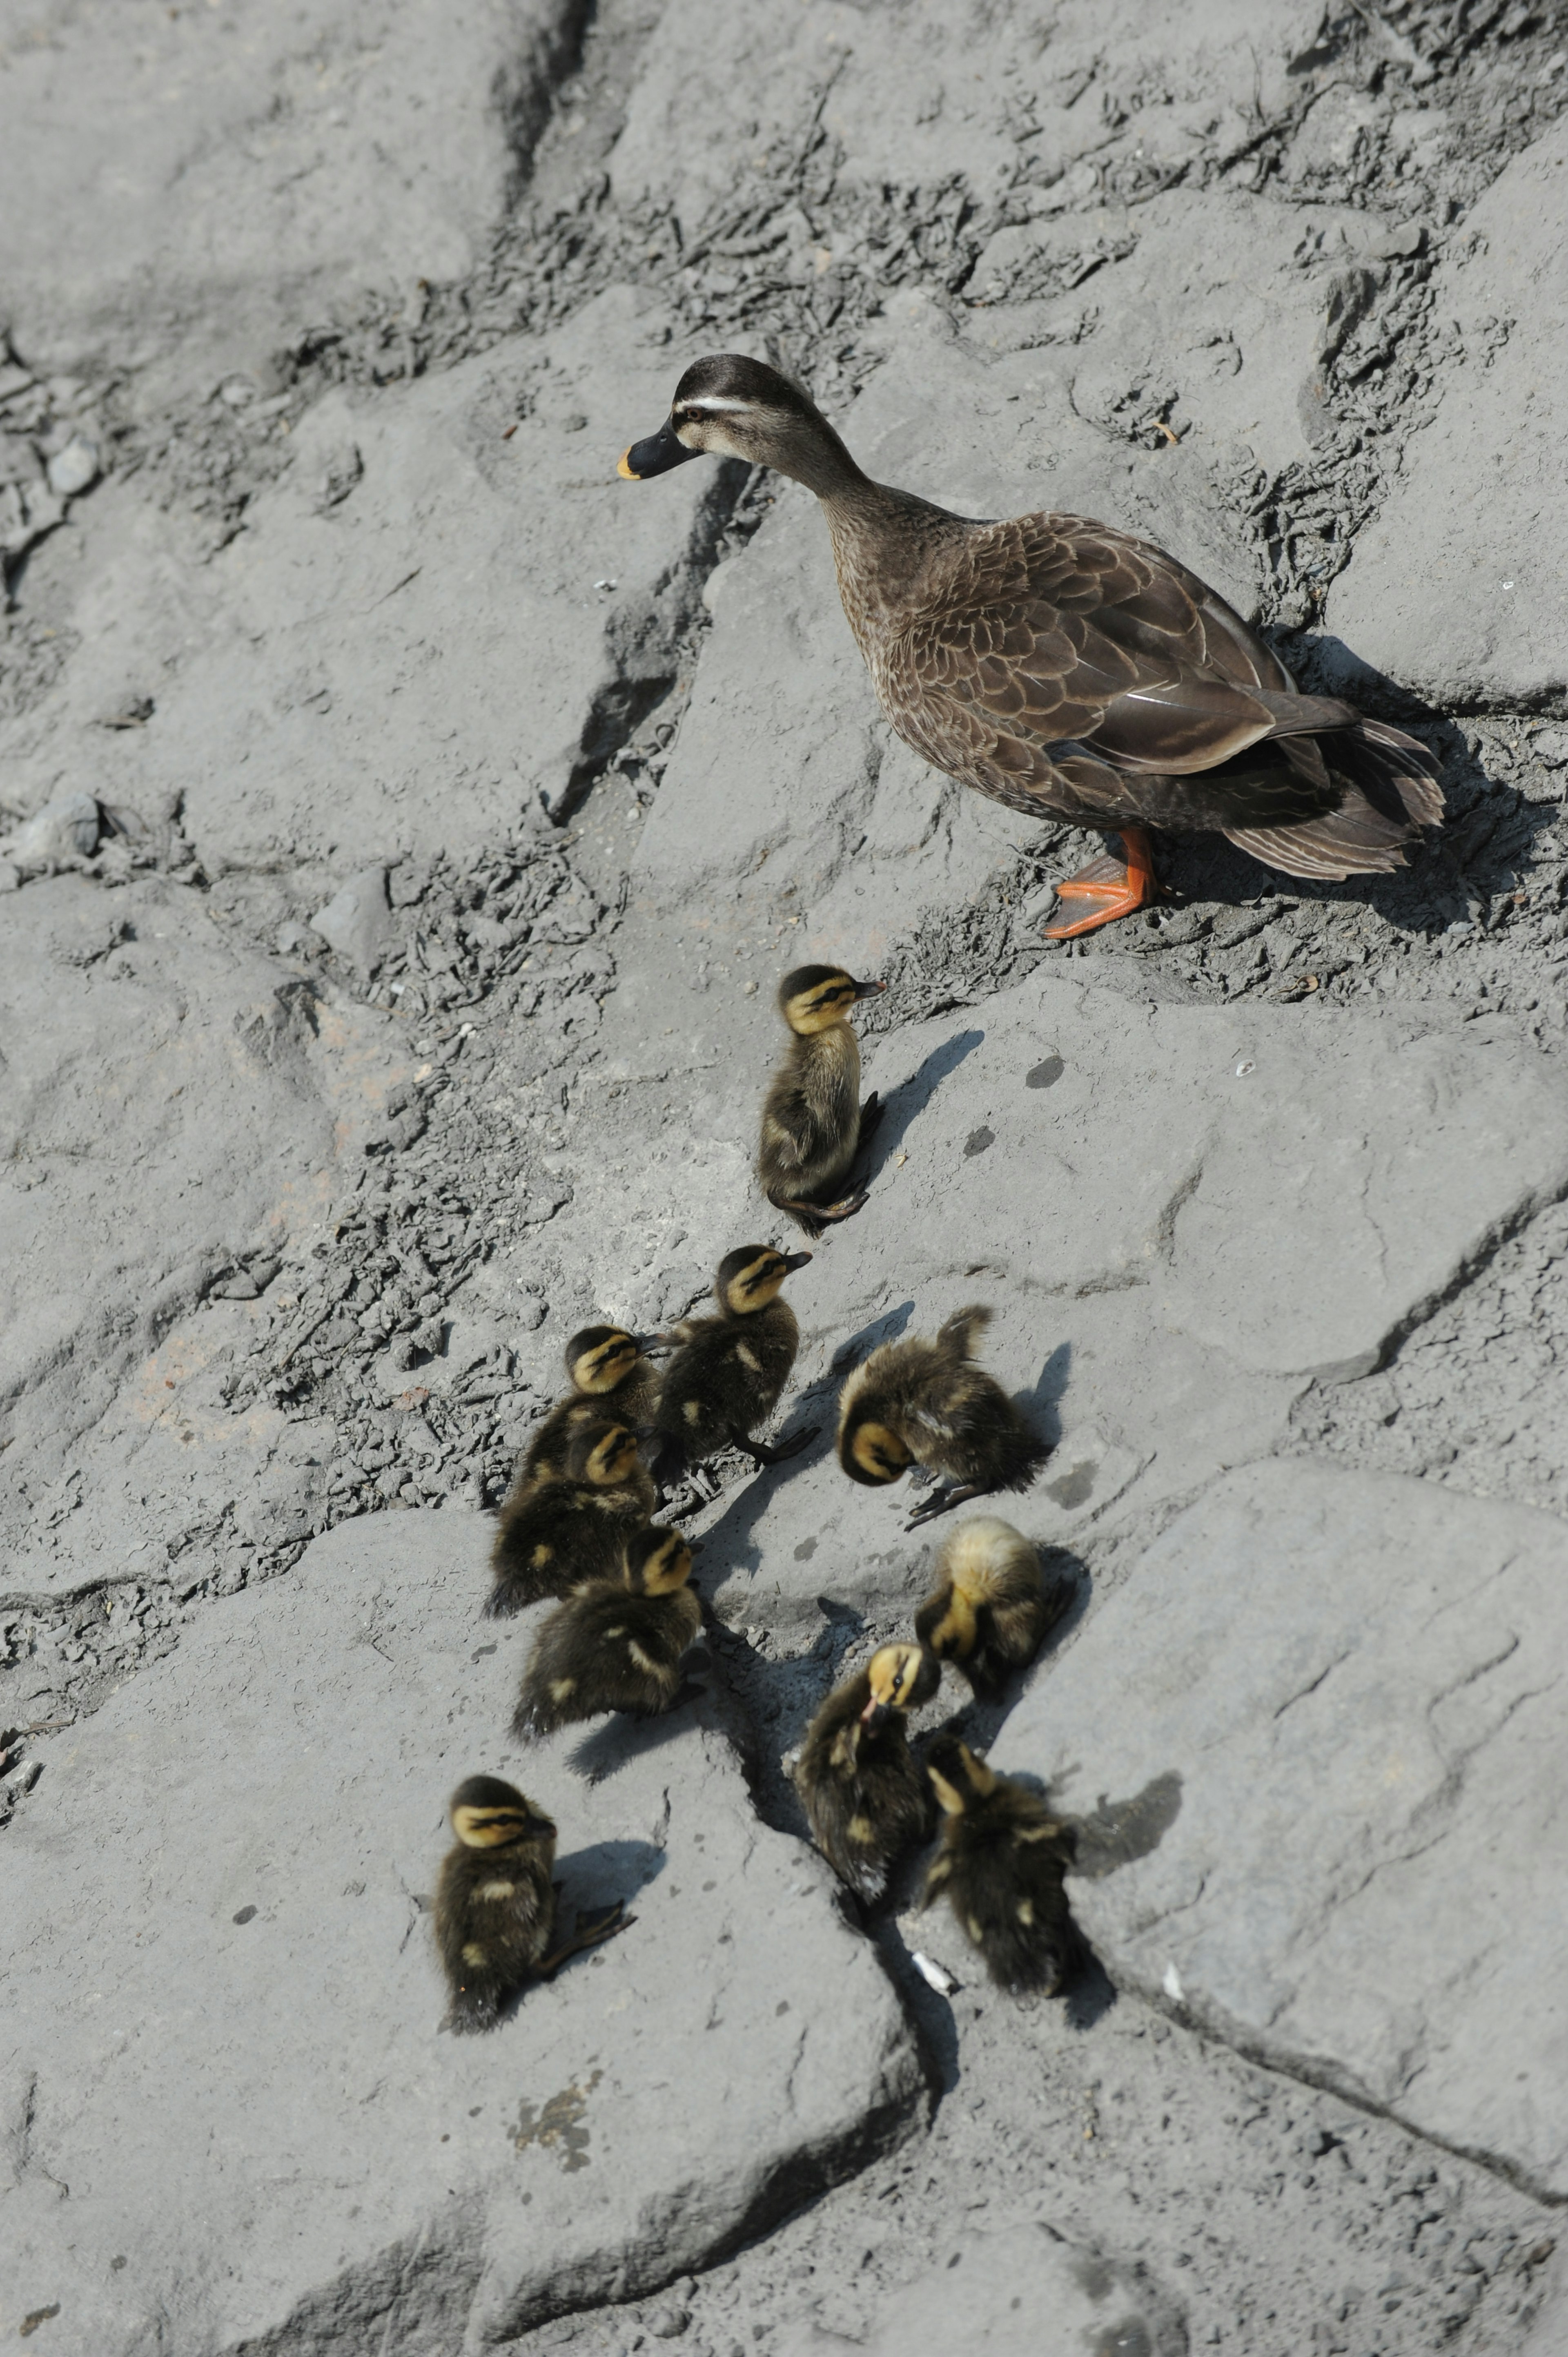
(712, 402)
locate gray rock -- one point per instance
(276, 689)
(157, 1062)
(134, 195)
(356, 922)
(1456, 589)
(1330, 1832)
(221, 1893)
(1158, 1310)
(1023, 2291)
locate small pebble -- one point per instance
(667, 2323)
(74, 469)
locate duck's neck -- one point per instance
(886, 541)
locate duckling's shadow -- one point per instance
(594, 1877)
(1041, 1404)
(624, 1740)
(905, 1103)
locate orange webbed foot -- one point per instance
(1112, 888)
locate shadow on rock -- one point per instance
(623, 1741)
(607, 1870)
(1040, 1404)
(909, 1099)
(1118, 1832)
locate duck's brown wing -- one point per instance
(1068, 666)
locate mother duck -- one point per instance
(1063, 667)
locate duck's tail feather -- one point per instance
(963, 1330)
(1391, 792)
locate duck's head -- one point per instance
(602, 1454)
(749, 1277)
(872, 1452)
(815, 996)
(601, 1356)
(487, 1815)
(657, 1562)
(900, 1678)
(958, 1777)
(740, 408)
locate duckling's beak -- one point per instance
(874, 1714)
(653, 1342)
(869, 989)
(655, 457)
(796, 1260)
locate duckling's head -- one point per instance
(749, 1277)
(603, 1454)
(657, 1562)
(487, 1814)
(815, 996)
(872, 1452)
(740, 408)
(958, 1777)
(600, 1357)
(900, 1677)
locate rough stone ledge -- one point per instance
(1341, 1844)
(218, 1896)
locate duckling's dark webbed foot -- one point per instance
(761, 1454)
(589, 1932)
(944, 1502)
(814, 1217)
(1110, 888)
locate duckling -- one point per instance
(494, 1903)
(866, 1798)
(554, 1534)
(923, 1403)
(608, 1649)
(1067, 668)
(728, 1372)
(988, 1610)
(1001, 1865)
(813, 1124)
(604, 1364)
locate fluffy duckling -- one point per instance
(1001, 1865)
(989, 1610)
(866, 1798)
(813, 1124)
(494, 1903)
(614, 1648)
(609, 1376)
(554, 1534)
(925, 1403)
(728, 1372)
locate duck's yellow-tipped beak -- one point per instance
(655, 455)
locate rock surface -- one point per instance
(1479, 506)
(404, 825)
(1351, 1851)
(217, 1902)
(1022, 2293)
(202, 183)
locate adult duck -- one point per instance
(1065, 668)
